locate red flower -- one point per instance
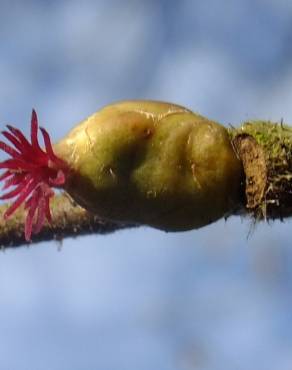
(32, 172)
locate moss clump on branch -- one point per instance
(265, 149)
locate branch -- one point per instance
(69, 220)
(255, 179)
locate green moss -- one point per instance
(274, 144)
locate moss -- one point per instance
(265, 149)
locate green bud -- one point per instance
(152, 163)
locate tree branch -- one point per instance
(69, 220)
(264, 149)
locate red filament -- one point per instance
(31, 172)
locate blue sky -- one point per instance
(144, 299)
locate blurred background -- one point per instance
(215, 298)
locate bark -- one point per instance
(69, 220)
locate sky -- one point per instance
(215, 298)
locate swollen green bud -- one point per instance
(152, 163)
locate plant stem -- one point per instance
(69, 220)
(265, 150)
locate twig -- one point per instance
(69, 220)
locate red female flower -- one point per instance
(31, 172)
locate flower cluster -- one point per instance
(31, 172)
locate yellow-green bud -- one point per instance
(152, 163)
